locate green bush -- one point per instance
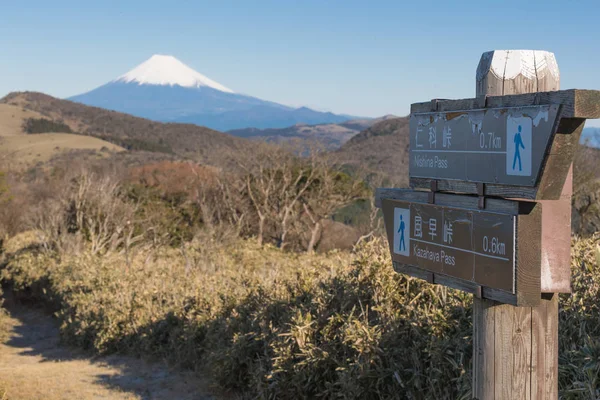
(43, 125)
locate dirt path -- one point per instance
(34, 365)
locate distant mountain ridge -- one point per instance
(331, 136)
(164, 89)
(381, 149)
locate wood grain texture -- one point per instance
(556, 237)
(455, 283)
(538, 351)
(525, 338)
(560, 158)
(453, 186)
(550, 327)
(529, 256)
(483, 349)
(445, 199)
(576, 103)
(536, 71)
(503, 352)
(521, 351)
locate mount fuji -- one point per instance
(164, 89)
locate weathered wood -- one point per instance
(576, 103)
(480, 145)
(452, 186)
(455, 283)
(545, 348)
(446, 199)
(503, 72)
(556, 239)
(560, 158)
(492, 275)
(554, 172)
(490, 294)
(525, 362)
(550, 327)
(529, 232)
(483, 348)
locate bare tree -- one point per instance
(331, 190)
(374, 224)
(275, 179)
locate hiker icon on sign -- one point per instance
(519, 142)
(518, 145)
(401, 231)
(402, 246)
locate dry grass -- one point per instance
(30, 149)
(12, 118)
(282, 325)
(256, 319)
(268, 323)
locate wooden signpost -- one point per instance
(489, 213)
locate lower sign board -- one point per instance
(476, 247)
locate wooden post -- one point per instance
(515, 349)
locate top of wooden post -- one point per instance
(504, 72)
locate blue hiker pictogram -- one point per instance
(518, 145)
(402, 246)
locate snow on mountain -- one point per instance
(164, 89)
(167, 70)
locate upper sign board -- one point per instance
(495, 145)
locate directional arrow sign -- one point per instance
(494, 145)
(471, 245)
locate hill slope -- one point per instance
(382, 148)
(133, 133)
(164, 89)
(24, 150)
(12, 118)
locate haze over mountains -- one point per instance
(164, 89)
(331, 136)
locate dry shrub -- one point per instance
(183, 199)
(262, 321)
(3, 327)
(91, 208)
(172, 177)
(281, 325)
(579, 324)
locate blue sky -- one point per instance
(356, 57)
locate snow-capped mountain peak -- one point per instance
(167, 70)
